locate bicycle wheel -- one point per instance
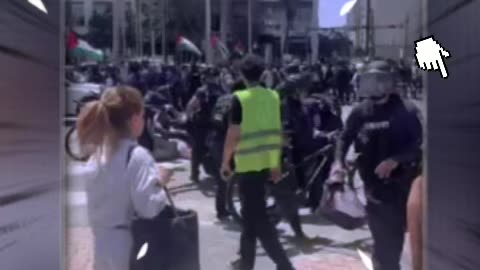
(72, 146)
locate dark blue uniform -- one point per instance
(389, 131)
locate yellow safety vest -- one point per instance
(261, 131)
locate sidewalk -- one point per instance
(80, 256)
(79, 244)
(335, 249)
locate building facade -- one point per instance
(269, 19)
(79, 12)
(229, 20)
(396, 25)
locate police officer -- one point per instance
(254, 139)
(199, 110)
(388, 135)
(220, 123)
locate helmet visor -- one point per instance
(375, 84)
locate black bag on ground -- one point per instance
(172, 238)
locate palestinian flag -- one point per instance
(221, 47)
(81, 49)
(187, 45)
(239, 49)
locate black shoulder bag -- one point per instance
(172, 237)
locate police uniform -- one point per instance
(388, 131)
(220, 127)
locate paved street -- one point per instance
(333, 248)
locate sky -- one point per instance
(328, 13)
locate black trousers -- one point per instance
(387, 222)
(256, 224)
(199, 137)
(297, 157)
(287, 203)
(221, 192)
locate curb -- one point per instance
(79, 249)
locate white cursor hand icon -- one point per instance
(430, 55)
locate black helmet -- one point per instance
(377, 80)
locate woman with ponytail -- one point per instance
(127, 180)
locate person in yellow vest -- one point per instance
(254, 141)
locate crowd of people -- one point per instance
(241, 120)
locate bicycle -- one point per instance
(72, 145)
(233, 200)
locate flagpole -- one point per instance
(208, 29)
(164, 30)
(152, 31)
(123, 23)
(250, 26)
(116, 32)
(225, 5)
(314, 34)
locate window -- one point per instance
(76, 11)
(102, 7)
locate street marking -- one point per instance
(77, 198)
